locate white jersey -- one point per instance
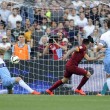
(105, 39)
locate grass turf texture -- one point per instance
(46, 102)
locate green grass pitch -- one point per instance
(58, 102)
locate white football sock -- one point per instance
(4, 91)
(25, 86)
(108, 83)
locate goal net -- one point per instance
(58, 18)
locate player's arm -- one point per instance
(63, 47)
(93, 58)
(70, 52)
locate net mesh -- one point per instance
(41, 72)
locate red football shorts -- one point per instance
(74, 70)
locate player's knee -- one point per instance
(18, 79)
(64, 80)
(88, 74)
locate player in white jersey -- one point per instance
(8, 81)
(105, 43)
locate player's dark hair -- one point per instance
(85, 41)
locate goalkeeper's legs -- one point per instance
(57, 84)
(25, 86)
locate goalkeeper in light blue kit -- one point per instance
(8, 81)
(105, 43)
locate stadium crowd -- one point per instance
(48, 28)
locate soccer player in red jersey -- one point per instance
(72, 67)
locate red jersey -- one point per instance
(77, 56)
(57, 52)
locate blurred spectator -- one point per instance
(104, 27)
(82, 21)
(96, 36)
(13, 18)
(7, 46)
(102, 17)
(60, 28)
(55, 47)
(9, 36)
(81, 9)
(17, 31)
(56, 13)
(73, 15)
(88, 29)
(4, 12)
(44, 24)
(1, 20)
(37, 16)
(67, 45)
(29, 36)
(38, 34)
(38, 31)
(27, 24)
(87, 13)
(73, 33)
(66, 25)
(42, 44)
(2, 30)
(21, 49)
(94, 15)
(53, 25)
(48, 14)
(48, 32)
(65, 17)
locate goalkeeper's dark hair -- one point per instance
(86, 41)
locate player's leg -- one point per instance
(86, 74)
(56, 85)
(4, 91)
(25, 86)
(6, 81)
(66, 77)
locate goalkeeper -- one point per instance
(8, 81)
(72, 67)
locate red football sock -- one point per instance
(57, 84)
(83, 81)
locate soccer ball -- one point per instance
(15, 59)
